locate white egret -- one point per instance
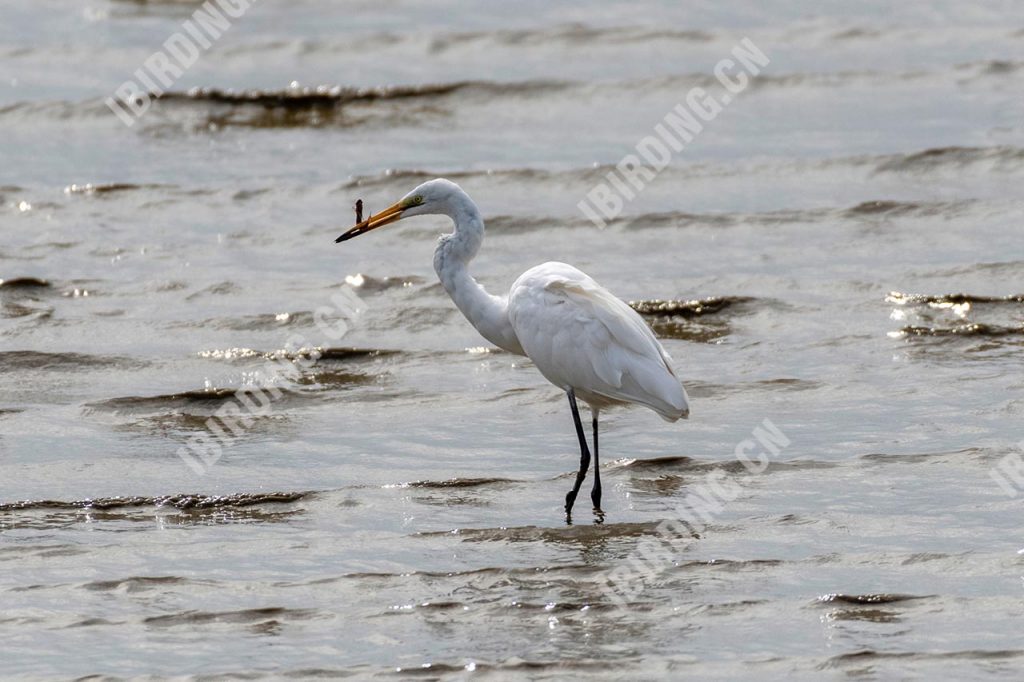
(583, 339)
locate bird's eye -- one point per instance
(418, 199)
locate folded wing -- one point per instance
(581, 336)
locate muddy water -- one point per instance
(853, 220)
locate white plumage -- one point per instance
(582, 338)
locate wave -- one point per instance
(323, 378)
(996, 269)
(974, 329)
(215, 396)
(565, 35)
(577, 574)
(136, 583)
(690, 330)
(344, 106)
(337, 95)
(517, 224)
(868, 656)
(90, 189)
(219, 289)
(242, 616)
(550, 534)
(177, 501)
(526, 571)
(327, 100)
(682, 464)
(688, 308)
(953, 456)
(513, 668)
(786, 384)
(373, 284)
(191, 409)
(300, 99)
(998, 157)
(330, 354)
(867, 209)
(569, 34)
(413, 175)
(262, 321)
(992, 67)
(764, 81)
(693, 320)
(354, 353)
(11, 309)
(879, 598)
(449, 605)
(978, 325)
(24, 283)
(889, 208)
(58, 110)
(462, 483)
(30, 359)
(942, 300)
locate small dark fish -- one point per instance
(359, 210)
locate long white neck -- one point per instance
(487, 313)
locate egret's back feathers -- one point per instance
(580, 336)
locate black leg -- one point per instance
(570, 498)
(595, 494)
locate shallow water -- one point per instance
(839, 252)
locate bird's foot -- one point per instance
(570, 499)
(598, 515)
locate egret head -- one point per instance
(433, 196)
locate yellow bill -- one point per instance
(385, 217)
